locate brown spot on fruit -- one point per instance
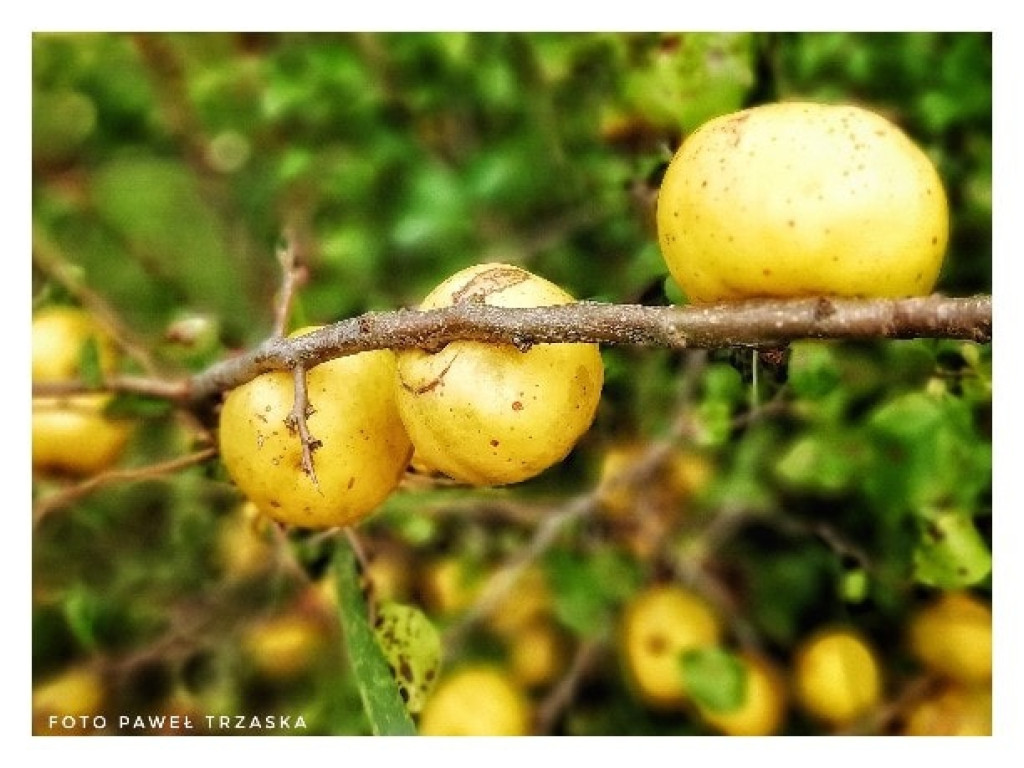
(656, 644)
(517, 406)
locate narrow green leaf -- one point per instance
(715, 678)
(383, 704)
(89, 364)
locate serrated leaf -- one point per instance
(951, 552)
(715, 678)
(382, 702)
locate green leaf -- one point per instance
(589, 588)
(132, 405)
(818, 463)
(382, 702)
(412, 647)
(813, 369)
(81, 610)
(951, 553)
(89, 363)
(715, 678)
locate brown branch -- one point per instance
(561, 696)
(165, 389)
(62, 498)
(757, 323)
(762, 322)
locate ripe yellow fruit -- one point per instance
(476, 701)
(952, 711)
(837, 676)
(528, 600)
(364, 449)
(287, 645)
(801, 199)
(763, 710)
(448, 585)
(77, 693)
(537, 654)
(244, 545)
(659, 625)
(71, 433)
(489, 414)
(953, 637)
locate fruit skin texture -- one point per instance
(763, 710)
(489, 414)
(799, 199)
(837, 676)
(953, 638)
(952, 711)
(659, 625)
(364, 450)
(476, 700)
(71, 434)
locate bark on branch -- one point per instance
(756, 323)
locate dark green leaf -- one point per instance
(383, 704)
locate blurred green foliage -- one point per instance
(166, 169)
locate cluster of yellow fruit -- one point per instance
(483, 414)
(782, 200)
(535, 656)
(836, 676)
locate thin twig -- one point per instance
(296, 421)
(561, 696)
(501, 582)
(49, 259)
(68, 495)
(293, 276)
(164, 389)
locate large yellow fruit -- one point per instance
(837, 676)
(763, 709)
(490, 414)
(476, 701)
(364, 449)
(953, 637)
(800, 199)
(659, 625)
(71, 433)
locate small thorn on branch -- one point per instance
(297, 422)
